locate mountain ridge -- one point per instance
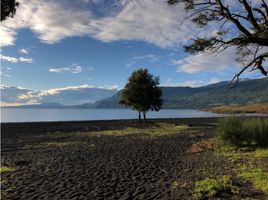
(246, 92)
(249, 91)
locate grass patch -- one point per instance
(244, 132)
(261, 153)
(56, 144)
(123, 132)
(160, 129)
(258, 177)
(165, 129)
(214, 187)
(7, 169)
(176, 185)
(249, 163)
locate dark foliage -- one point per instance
(142, 92)
(243, 25)
(244, 132)
(8, 8)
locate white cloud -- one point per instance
(23, 51)
(111, 87)
(9, 59)
(74, 69)
(71, 95)
(149, 57)
(16, 60)
(152, 21)
(203, 62)
(141, 20)
(68, 88)
(5, 71)
(10, 94)
(7, 35)
(50, 20)
(192, 83)
(28, 60)
(213, 81)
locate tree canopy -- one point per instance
(243, 24)
(8, 8)
(142, 92)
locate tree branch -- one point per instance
(251, 16)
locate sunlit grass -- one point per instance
(258, 177)
(57, 144)
(253, 108)
(160, 129)
(213, 187)
(177, 185)
(7, 169)
(250, 162)
(261, 153)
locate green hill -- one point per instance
(246, 92)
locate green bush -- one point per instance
(244, 132)
(213, 187)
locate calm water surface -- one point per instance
(74, 114)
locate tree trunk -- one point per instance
(144, 116)
(139, 117)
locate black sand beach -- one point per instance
(70, 160)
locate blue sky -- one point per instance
(100, 44)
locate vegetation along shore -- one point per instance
(252, 108)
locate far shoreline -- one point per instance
(127, 121)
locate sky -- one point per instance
(72, 45)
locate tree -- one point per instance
(142, 92)
(243, 24)
(8, 8)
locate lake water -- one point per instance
(75, 114)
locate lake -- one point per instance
(76, 114)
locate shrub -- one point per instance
(213, 187)
(244, 132)
(230, 130)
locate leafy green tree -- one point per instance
(8, 8)
(242, 24)
(142, 92)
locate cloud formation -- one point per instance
(71, 95)
(202, 62)
(15, 60)
(74, 69)
(191, 83)
(148, 57)
(126, 20)
(23, 51)
(5, 71)
(151, 21)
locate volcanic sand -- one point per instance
(74, 160)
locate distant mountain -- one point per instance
(246, 92)
(72, 95)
